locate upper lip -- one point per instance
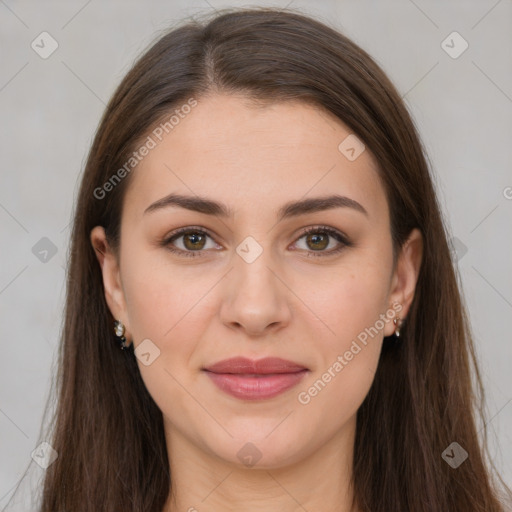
(243, 365)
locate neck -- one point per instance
(320, 480)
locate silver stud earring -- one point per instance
(398, 324)
(120, 330)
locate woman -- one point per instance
(262, 312)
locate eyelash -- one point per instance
(342, 239)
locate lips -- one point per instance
(268, 365)
(248, 379)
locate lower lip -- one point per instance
(256, 388)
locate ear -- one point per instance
(114, 294)
(405, 276)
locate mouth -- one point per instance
(248, 379)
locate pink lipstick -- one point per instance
(255, 379)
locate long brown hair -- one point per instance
(427, 390)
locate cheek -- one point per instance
(166, 306)
(351, 299)
(161, 298)
(353, 306)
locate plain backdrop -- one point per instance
(50, 108)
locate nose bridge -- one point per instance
(256, 297)
(254, 267)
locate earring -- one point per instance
(398, 324)
(120, 330)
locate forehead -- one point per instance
(254, 156)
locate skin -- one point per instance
(203, 309)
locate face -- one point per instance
(278, 274)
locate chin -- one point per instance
(257, 449)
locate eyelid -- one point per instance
(341, 237)
(325, 229)
(177, 233)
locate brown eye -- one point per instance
(188, 242)
(194, 241)
(317, 241)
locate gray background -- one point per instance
(50, 109)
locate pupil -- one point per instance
(316, 239)
(195, 238)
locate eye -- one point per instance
(317, 239)
(194, 239)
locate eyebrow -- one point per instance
(288, 210)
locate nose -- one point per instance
(256, 298)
